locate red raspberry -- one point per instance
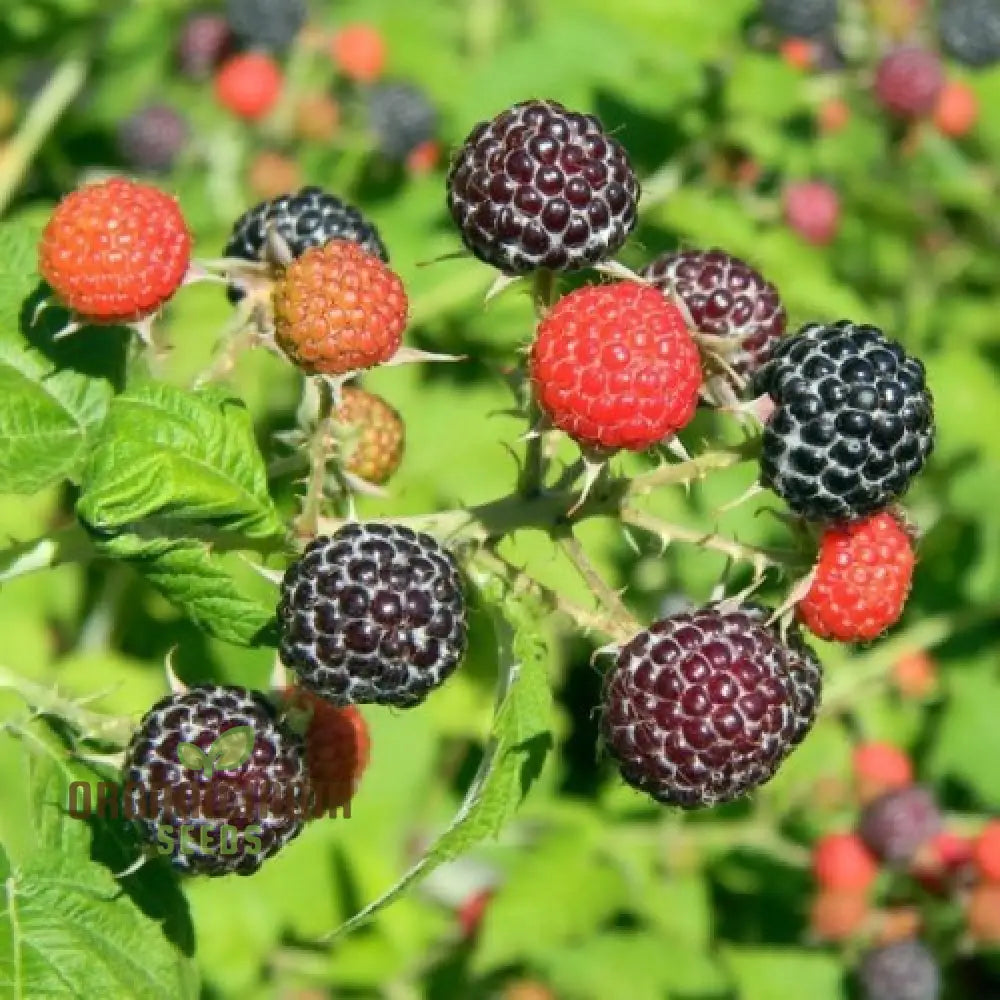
(249, 85)
(114, 252)
(799, 53)
(470, 914)
(915, 674)
(908, 81)
(879, 768)
(842, 862)
(812, 209)
(337, 308)
(987, 851)
(862, 580)
(834, 115)
(837, 915)
(957, 109)
(614, 366)
(359, 50)
(338, 749)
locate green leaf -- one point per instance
(232, 748)
(192, 756)
(69, 928)
(170, 466)
(765, 974)
(180, 458)
(53, 395)
(519, 742)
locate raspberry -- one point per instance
(880, 768)
(908, 81)
(803, 18)
(256, 796)
(726, 297)
(249, 85)
(424, 158)
(470, 914)
(359, 51)
(270, 176)
(401, 117)
(337, 309)
(308, 218)
(799, 53)
(957, 109)
(905, 970)
(372, 435)
(373, 613)
(834, 115)
(151, 138)
(266, 24)
(812, 209)
(853, 423)
(915, 674)
(542, 187)
(202, 44)
(527, 989)
(115, 252)
(614, 366)
(970, 31)
(842, 862)
(895, 826)
(704, 706)
(338, 749)
(861, 580)
(317, 117)
(983, 914)
(987, 851)
(837, 915)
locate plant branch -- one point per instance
(605, 594)
(307, 523)
(543, 294)
(41, 118)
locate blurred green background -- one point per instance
(596, 894)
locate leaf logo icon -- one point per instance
(230, 750)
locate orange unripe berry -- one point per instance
(983, 913)
(915, 674)
(800, 53)
(879, 768)
(841, 861)
(359, 50)
(957, 109)
(986, 852)
(317, 117)
(834, 114)
(272, 174)
(838, 914)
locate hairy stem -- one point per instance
(307, 523)
(543, 294)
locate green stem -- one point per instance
(41, 118)
(605, 594)
(307, 523)
(543, 294)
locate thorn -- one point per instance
(754, 490)
(611, 649)
(593, 465)
(144, 330)
(759, 409)
(454, 255)
(276, 248)
(786, 610)
(279, 675)
(615, 269)
(677, 449)
(358, 485)
(500, 285)
(72, 326)
(133, 868)
(335, 383)
(271, 575)
(197, 273)
(49, 302)
(412, 355)
(630, 540)
(176, 685)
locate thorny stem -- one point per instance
(604, 593)
(307, 523)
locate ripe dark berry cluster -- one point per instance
(248, 802)
(801, 18)
(896, 825)
(853, 421)
(725, 297)
(542, 187)
(402, 118)
(307, 218)
(373, 614)
(704, 706)
(152, 138)
(970, 31)
(266, 24)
